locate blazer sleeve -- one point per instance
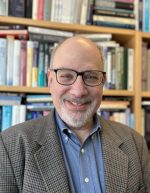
(7, 178)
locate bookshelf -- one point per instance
(127, 38)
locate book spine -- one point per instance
(41, 65)
(35, 64)
(28, 8)
(6, 117)
(40, 9)
(3, 60)
(30, 48)
(35, 9)
(84, 8)
(10, 56)
(23, 62)
(130, 68)
(119, 5)
(3, 6)
(16, 63)
(47, 10)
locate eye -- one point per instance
(91, 76)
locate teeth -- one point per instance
(76, 103)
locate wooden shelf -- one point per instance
(61, 26)
(24, 89)
(146, 94)
(46, 90)
(118, 93)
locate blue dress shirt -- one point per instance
(84, 162)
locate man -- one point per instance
(73, 149)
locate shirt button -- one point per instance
(82, 150)
(86, 180)
(66, 138)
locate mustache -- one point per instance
(77, 100)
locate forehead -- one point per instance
(78, 54)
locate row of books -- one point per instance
(25, 62)
(145, 66)
(145, 114)
(124, 12)
(144, 14)
(119, 111)
(15, 109)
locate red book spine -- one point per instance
(40, 9)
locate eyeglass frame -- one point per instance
(79, 74)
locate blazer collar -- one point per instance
(115, 160)
(49, 158)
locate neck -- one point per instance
(83, 132)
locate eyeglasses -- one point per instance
(89, 77)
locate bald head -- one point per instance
(77, 48)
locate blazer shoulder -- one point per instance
(119, 129)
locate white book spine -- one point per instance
(84, 8)
(10, 56)
(115, 19)
(35, 9)
(3, 60)
(15, 114)
(130, 68)
(45, 31)
(22, 113)
(16, 63)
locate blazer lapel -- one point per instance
(115, 161)
(49, 159)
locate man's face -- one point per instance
(77, 103)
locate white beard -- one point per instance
(77, 119)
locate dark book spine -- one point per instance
(28, 8)
(122, 5)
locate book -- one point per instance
(10, 56)
(3, 60)
(30, 51)
(6, 117)
(40, 11)
(38, 30)
(28, 8)
(146, 13)
(38, 98)
(16, 33)
(35, 9)
(23, 62)
(84, 11)
(130, 70)
(118, 20)
(117, 4)
(41, 65)
(10, 99)
(114, 13)
(16, 8)
(4, 7)
(96, 36)
(16, 63)
(114, 24)
(35, 64)
(47, 10)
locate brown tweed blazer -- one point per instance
(31, 159)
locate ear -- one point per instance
(49, 77)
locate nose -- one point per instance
(78, 88)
